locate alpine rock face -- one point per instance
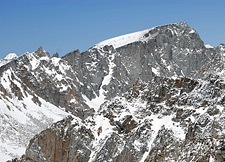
(153, 95)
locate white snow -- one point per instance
(211, 159)
(208, 46)
(34, 64)
(29, 117)
(157, 123)
(15, 114)
(4, 80)
(103, 123)
(123, 40)
(96, 102)
(20, 120)
(137, 145)
(5, 157)
(11, 56)
(8, 58)
(155, 71)
(192, 31)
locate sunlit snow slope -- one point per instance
(22, 113)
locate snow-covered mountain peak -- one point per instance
(11, 56)
(8, 58)
(144, 35)
(122, 40)
(208, 46)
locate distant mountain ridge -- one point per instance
(8, 58)
(115, 92)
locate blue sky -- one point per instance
(66, 25)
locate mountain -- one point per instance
(153, 95)
(8, 58)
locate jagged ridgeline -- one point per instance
(153, 95)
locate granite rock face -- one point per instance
(169, 50)
(61, 142)
(214, 68)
